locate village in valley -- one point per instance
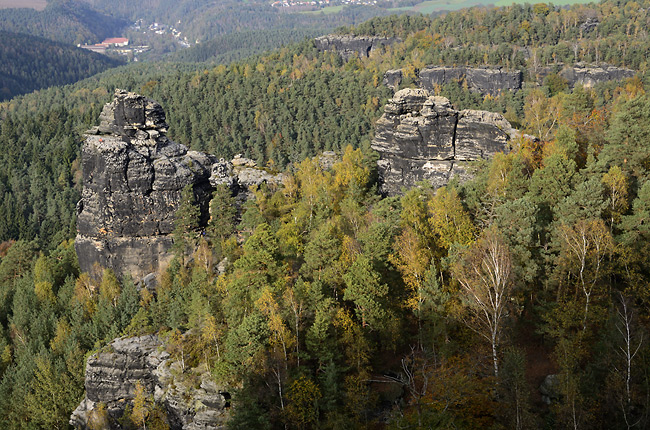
(319, 4)
(144, 31)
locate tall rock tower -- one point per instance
(133, 178)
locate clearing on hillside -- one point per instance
(31, 4)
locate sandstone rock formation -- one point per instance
(590, 75)
(485, 80)
(590, 24)
(493, 80)
(133, 178)
(352, 46)
(112, 374)
(392, 79)
(586, 75)
(421, 137)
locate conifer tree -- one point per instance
(186, 222)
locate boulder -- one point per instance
(550, 389)
(589, 25)
(392, 79)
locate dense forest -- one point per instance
(340, 308)
(30, 63)
(241, 45)
(524, 36)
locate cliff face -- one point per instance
(190, 403)
(352, 46)
(589, 76)
(584, 74)
(494, 80)
(421, 137)
(133, 178)
(481, 80)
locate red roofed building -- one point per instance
(117, 41)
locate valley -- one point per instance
(31, 4)
(323, 221)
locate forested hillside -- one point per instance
(240, 45)
(339, 308)
(525, 36)
(30, 63)
(208, 20)
(65, 21)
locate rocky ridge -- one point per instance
(589, 75)
(493, 80)
(349, 46)
(421, 137)
(112, 374)
(484, 80)
(133, 178)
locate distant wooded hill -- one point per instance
(64, 21)
(207, 20)
(237, 46)
(29, 63)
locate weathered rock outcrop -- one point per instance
(485, 80)
(587, 75)
(392, 79)
(421, 137)
(589, 25)
(550, 389)
(133, 178)
(352, 46)
(112, 374)
(590, 75)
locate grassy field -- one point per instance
(31, 4)
(431, 6)
(555, 2)
(326, 10)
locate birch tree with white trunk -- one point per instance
(484, 272)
